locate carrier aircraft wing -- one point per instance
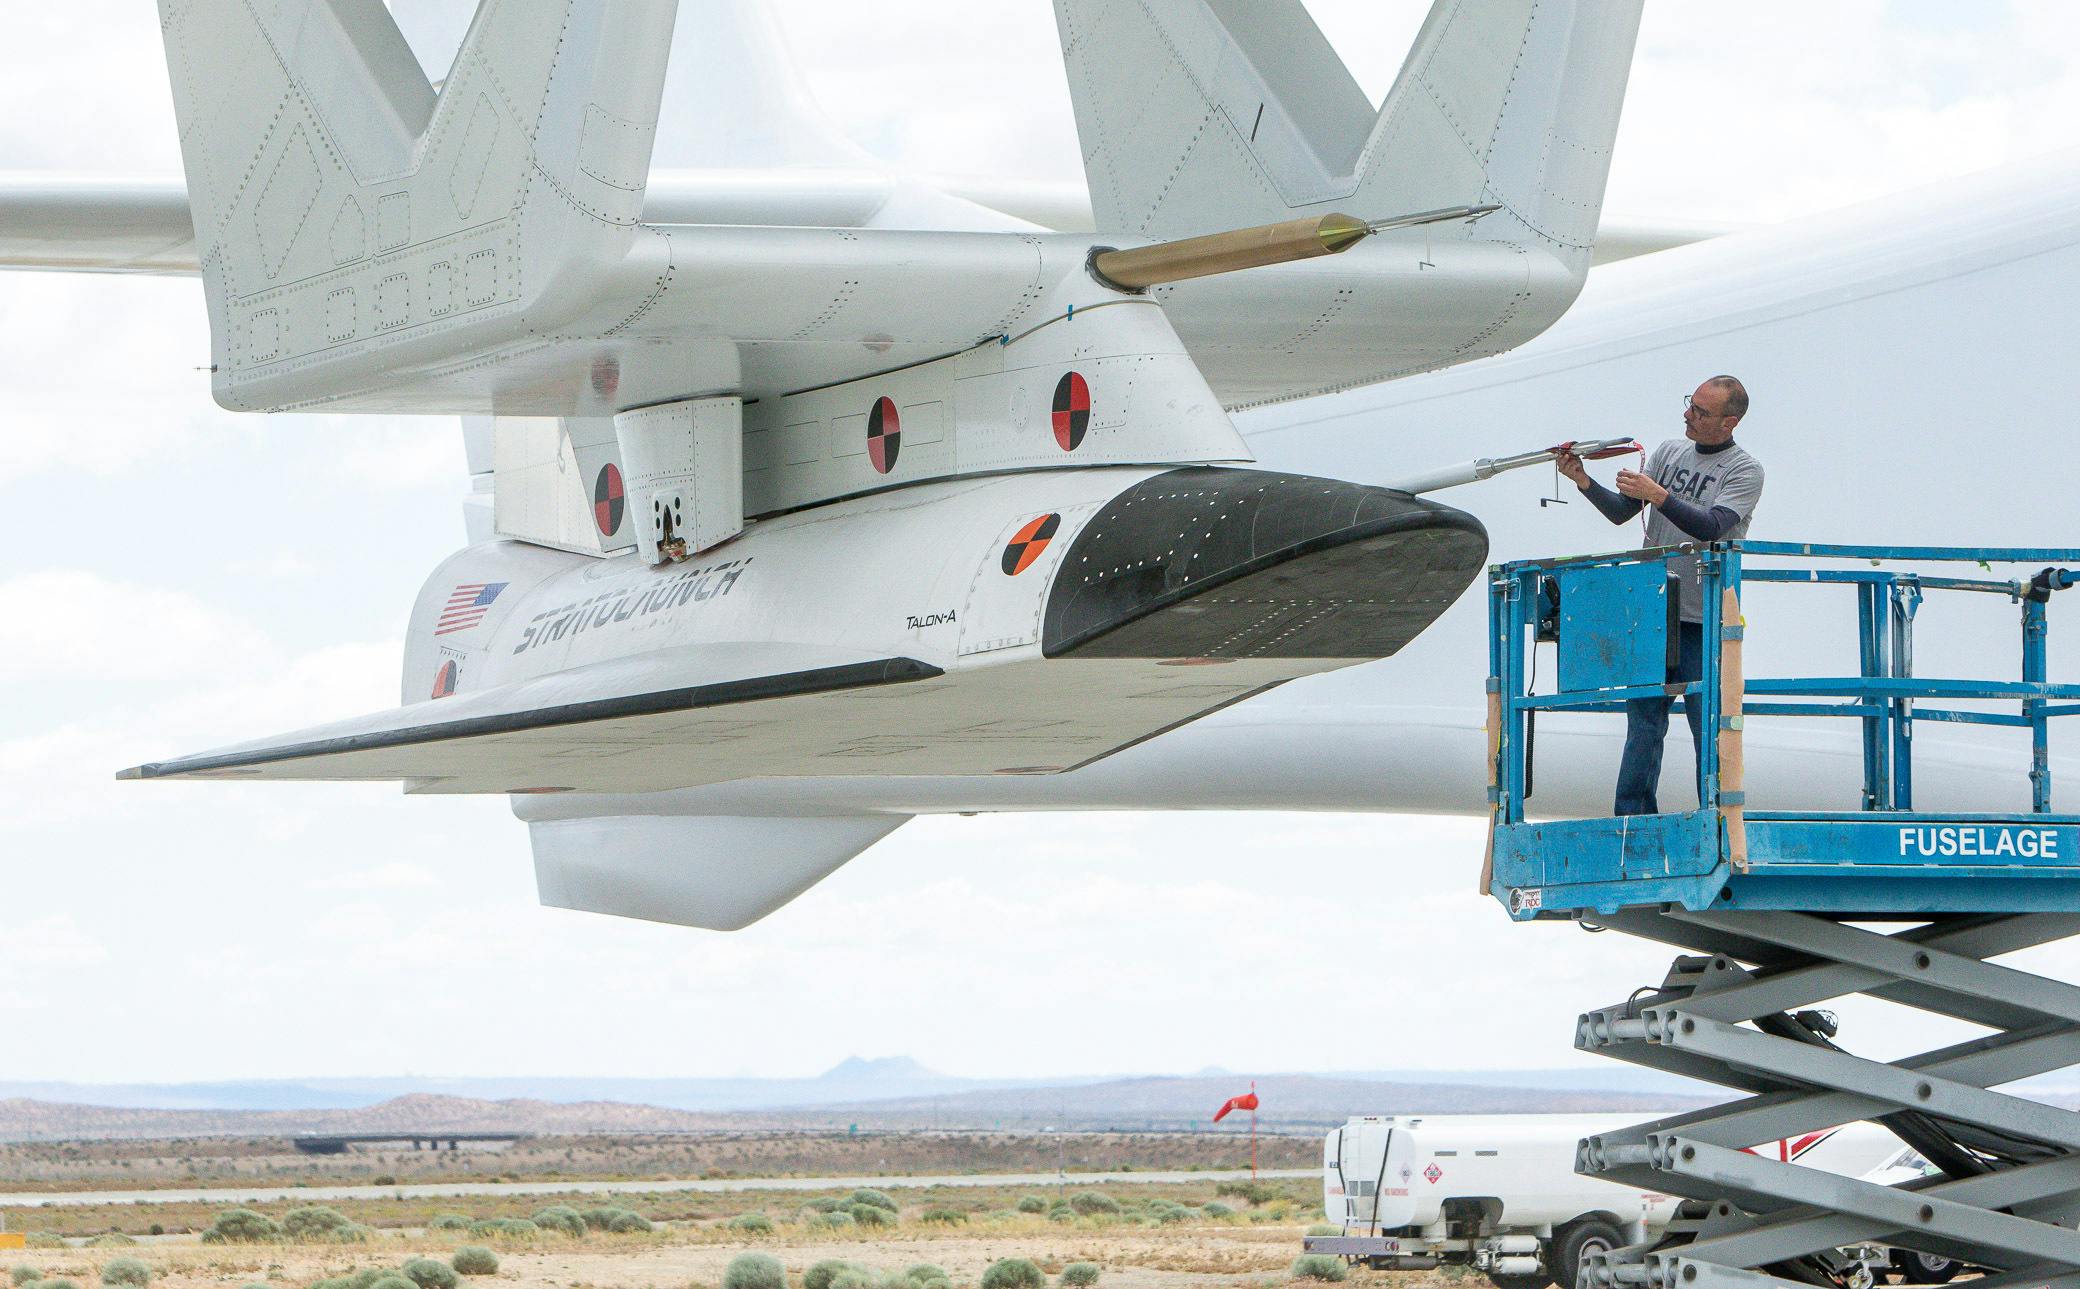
(139, 224)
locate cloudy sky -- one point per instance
(177, 577)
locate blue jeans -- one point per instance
(1646, 729)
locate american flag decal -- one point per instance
(467, 606)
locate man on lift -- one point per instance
(1702, 487)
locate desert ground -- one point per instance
(1165, 1236)
(138, 1164)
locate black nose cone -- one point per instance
(1209, 562)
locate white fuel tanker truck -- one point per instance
(1499, 1193)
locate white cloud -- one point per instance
(283, 563)
(390, 452)
(1769, 111)
(351, 922)
(64, 774)
(103, 381)
(1003, 945)
(66, 625)
(394, 876)
(38, 955)
(53, 940)
(86, 89)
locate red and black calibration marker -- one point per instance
(1072, 410)
(609, 499)
(1027, 543)
(884, 435)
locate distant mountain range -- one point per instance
(874, 1095)
(852, 1081)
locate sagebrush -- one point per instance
(1319, 1266)
(315, 1222)
(242, 1226)
(1013, 1273)
(821, 1275)
(754, 1271)
(427, 1273)
(126, 1271)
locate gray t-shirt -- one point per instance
(1729, 477)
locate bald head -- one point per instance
(1736, 402)
(1710, 413)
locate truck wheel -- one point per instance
(1923, 1268)
(1574, 1243)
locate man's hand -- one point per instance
(1571, 465)
(1631, 483)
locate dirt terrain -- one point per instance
(1254, 1246)
(128, 1164)
(1161, 1257)
(687, 1211)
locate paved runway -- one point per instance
(263, 1194)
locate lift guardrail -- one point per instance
(1614, 617)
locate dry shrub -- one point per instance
(821, 1275)
(1013, 1273)
(427, 1273)
(754, 1271)
(242, 1226)
(1319, 1266)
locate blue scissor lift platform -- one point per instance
(1782, 910)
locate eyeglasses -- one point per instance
(1690, 408)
